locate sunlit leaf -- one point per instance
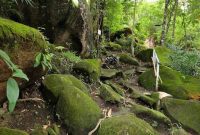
(12, 93)
(38, 59)
(20, 74)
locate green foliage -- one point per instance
(71, 57)
(12, 86)
(187, 62)
(44, 59)
(29, 2)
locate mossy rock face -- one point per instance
(79, 112)
(173, 82)
(90, 67)
(185, 112)
(163, 54)
(55, 84)
(150, 114)
(127, 59)
(8, 131)
(21, 43)
(127, 124)
(109, 95)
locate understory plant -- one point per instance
(186, 61)
(12, 88)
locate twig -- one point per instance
(107, 114)
(31, 99)
(98, 124)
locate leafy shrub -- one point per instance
(71, 56)
(12, 90)
(187, 62)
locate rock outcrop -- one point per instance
(21, 43)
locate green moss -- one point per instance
(162, 52)
(79, 112)
(173, 82)
(127, 59)
(13, 31)
(178, 131)
(92, 67)
(109, 73)
(146, 99)
(125, 125)
(39, 131)
(109, 95)
(185, 112)
(151, 114)
(115, 47)
(145, 55)
(55, 83)
(117, 88)
(8, 131)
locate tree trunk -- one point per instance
(174, 20)
(163, 34)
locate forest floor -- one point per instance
(32, 110)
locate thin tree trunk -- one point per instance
(174, 20)
(134, 17)
(162, 40)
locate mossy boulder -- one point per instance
(150, 114)
(144, 98)
(127, 59)
(90, 67)
(114, 46)
(173, 82)
(8, 131)
(116, 87)
(55, 83)
(109, 95)
(21, 43)
(185, 112)
(127, 124)
(109, 73)
(73, 103)
(163, 54)
(78, 111)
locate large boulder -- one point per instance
(127, 124)
(185, 112)
(21, 43)
(173, 82)
(8, 131)
(73, 103)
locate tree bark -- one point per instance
(174, 19)
(163, 34)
